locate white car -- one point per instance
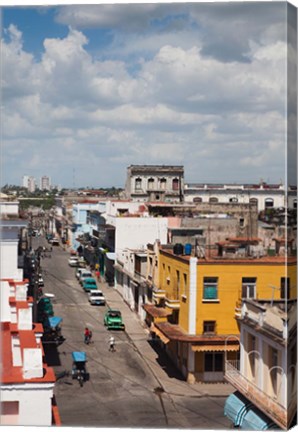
(55, 241)
(78, 272)
(73, 261)
(96, 297)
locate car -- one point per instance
(84, 274)
(82, 262)
(89, 284)
(55, 241)
(73, 261)
(113, 320)
(78, 272)
(96, 298)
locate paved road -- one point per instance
(123, 390)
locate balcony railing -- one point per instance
(267, 403)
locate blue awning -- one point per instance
(79, 356)
(54, 321)
(236, 407)
(254, 419)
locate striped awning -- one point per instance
(204, 348)
(158, 333)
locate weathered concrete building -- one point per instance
(163, 183)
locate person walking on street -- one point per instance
(112, 344)
(86, 336)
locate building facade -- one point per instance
(163, 183)
(201, 298)
(27, 383)
(266, 196)
(45, 183)
(266, 375)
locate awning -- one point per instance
(158, 333)
(54, 321)
(236, 407)
(111, 256)
(254, 419)
(204, 348)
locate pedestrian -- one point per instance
(86, 336)
(112, 344)
(97, 273)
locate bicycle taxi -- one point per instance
(79, 370)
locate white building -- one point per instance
(45, 183)
(265, 377)
(27, 383)
(265, 195)
(29, 183)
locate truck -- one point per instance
(113, 320)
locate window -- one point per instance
(151, 183)
(295, 204)
(163, 183)
(241, 222)
(213, 362)
(175, 184)
(249, 287)
(177, 288)
(10, 413)
(252, 353)
(284, 288)
(210, 288)
(274, 368)
(269, 203)
(197, 200)
(184, 283)
(213, 200)
(138, 184)
(209, 327)
(233, 200)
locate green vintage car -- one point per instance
(89, 284)
(113, 320)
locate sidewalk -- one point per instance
(169, 380)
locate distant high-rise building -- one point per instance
(25, 180)
(45, 183)
(29, 183)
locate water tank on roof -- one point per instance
(178, 249)
(187, 249)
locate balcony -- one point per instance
(262, 400)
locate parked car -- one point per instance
(85, 274)
(113, 320)
(78, 272)
(73, 261)
(96, 297)
(89, 284)
(55, 241)
(82, 262)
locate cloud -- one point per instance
(71, 108)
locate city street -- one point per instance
(124, 390)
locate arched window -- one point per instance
(253, 201)
(295, 204)
(151, 183)
(233, 200)
(175, 184)
(269, 203)
(138, 184)
(163, 183)
(213, 200)
(197, 200)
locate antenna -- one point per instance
(272, 297)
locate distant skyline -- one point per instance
(93, 89)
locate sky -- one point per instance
(89, 90)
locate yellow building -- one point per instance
(199, 299)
